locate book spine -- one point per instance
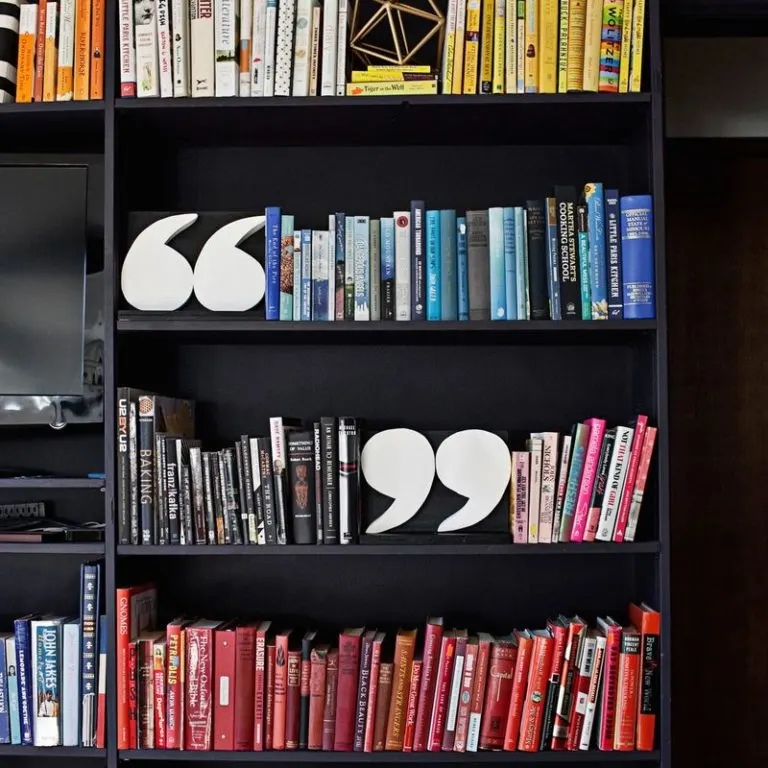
(452, 713)
(147, 65)
(306, 274)
(296, 308)
(465, 696)
(123, 469)
(613, 236)
(579, 451)
(25, 69)
(244, 48)
(610, 689)
(269, 698)
(610, 46)
(89, 606)
(259, 691)
(199, 674)
(419, 273)
(164, 45)
(402, 265)
(373, 692)
(510, 263)
(304, 692)
(383, 701)
(548, 43)
(272, 263)
(224, 689)
(647, 708)
(486, 47)
(158, 685)
(46, 673)
(577, 19)
(245, 647)
(562, 484)
(640, 483)
(146, 694)
(330, 457)
(479, 265)
(146, 454)
(12, 676)
(638, 441)
(316, 434)
(39, 68)
(339, 265)
(626, 46)
(133, 694)
(265, 472)
(521, 46)
(433, 266)
(202, 48)
(449, 49)
(301, 461)
(286, 267)
(162, 527)
(448, 267)
(286, 18)
(341, 48)
(293, 700)
(401, 677)
(510, 50)
(270, 32)
(592, 33)
(471, 47)
(478, 695)
(362, 260)
(597, 256)
(442, 693)
(534, 493)
(627, 692)
(587, 484)
(537, 259)
(600, 486)
(83, 50)
(349, 268)
(432, 638)
(583, 235)
(499, 25)
(172, 484)
(532, 45)
(638, 27)
(616, 475)
(523, 271)
(349, 492)
(330, 46)
(49, 68)
(458, 55)
(70, 690)
(637, 257)
(498, 695)
(375, 284)
(585, 739)
(248, 497)
(180, 45)
(548, 486)
(519, 496)
(517, 698)
(581, 694)
(316, 699)
(279, 476)
(462, 268)
(387, 269)
(533, 709)
(174, 719)
(413, 701)
(363, 691)
(314, 66)
(281, 692)
(562, 49)
(258, 27)
(329, 711)
(126, 45)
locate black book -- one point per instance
(550, 707)
(258, 496)
(222, 526)
(225, 510)
(208, 499)
(171, 485)
(278, 430)
(318, 482)
(301, 465)
(181, 448)
(418, 262)
(537, 260)
(306, 659)
(231, 494)
(265, 469)
(568, 260)
(246, 498)
(330, 462)
(146, 468)
(162, 521)
(197, 495)
(349, 482)
(603, 463)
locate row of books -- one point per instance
(592, 491)
(53, 672)
(60, 50)
(555, 258)
(203, 685)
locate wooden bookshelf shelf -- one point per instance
(39, 753)
(50, 483)
(53, 548)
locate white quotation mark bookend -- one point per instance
(228, 279)
(156, 277)
(398, 463)
(475, 464)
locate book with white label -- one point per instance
(302, 50)
(147, 67)
(244, 59)
(617, 471)
(270, 32)
(66, 54)
(286, 16)
(402, 265)
(258, 42)
(180, 27)
(330, 44)
(126, 43)
(202, 47)
(341, 48)
(164, 47)
(314, 64)
(225, 31)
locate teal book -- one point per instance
(583, 249)
(510, 265)
(463, 264)
(598, 267)
(434, 310)
(362, 256)
(286, 267)
(578, 454)
(521, 270)
(496, 256)
(449, 287)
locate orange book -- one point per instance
(649, 622)
(42, 16)
(82, 48)
(25, 69)
(535, 697)
(413, 701)
(405, 644)
(97, 50)
(49, 69)
(627, 693)
(519, 682)
(281, 689)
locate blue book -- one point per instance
(637, 257)
(582, 236)
(613, 237)
(286, 266)
(90, 592)
(387, 269)
(5, 719)
(272, 263)
(593, 194)
(362, 268)
(578, 455)
(434, 310)
(510, 265)
(418, 262)
(321, 271)
(463, 266)
(13, 689)
(449, 288)
(21, 628)
(296, 274)
(340, 266)
(521, 265)
(306, 274)
(552, 259)
(496, 261)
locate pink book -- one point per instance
(629, 483)
(520, 469)
(596, 432)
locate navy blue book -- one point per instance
(272, 263)
(637, 257)
(23, 634)
(613, 244)
(90, 589)
(418, 262)
(5, 720)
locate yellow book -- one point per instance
(577, 16)
(449, 48)
(458, 56)
(562, 49)
(25, 70)
(510, 54)
(521, 46)
(531, 46)
(392, 88)
(548, 22)
(638, 28)
(498, 47)
(592, 33)
(49, 68)
(362, 76)
(471, 46)
(626, 43)
(418, 69)
(486, 47)
(82, 49)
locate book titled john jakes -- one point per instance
(301, 463)
(567, 254)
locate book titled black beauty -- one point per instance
(301, 466)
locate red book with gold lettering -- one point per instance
(224, 658)
(317, 696)
(199, 704)
(478, 691)
(648, 621)
(373, 692)
(293, 700)
(363, 689)
(269, 696)
(498, 692)
(405, 646)
(245, 649)
(346, 690)
(432, 639)
(281, 689)
(627, 691)
(442, 691)
(413, 703)
(329, 711)
(533, 709)
(519, 685)
(260, 688)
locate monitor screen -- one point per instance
(42, 279)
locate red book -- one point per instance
(498, 692)
(269, 697)
(245, 653)
(363, 689)
(413, 702)
(465, 696)
(199, 700)
(293, 700)
(640, 483)
(225, 644)
(558, 628)
(519, 685)
(607, 707)
(648, 622)
(627, 691)
(449, 734)
(317, 696)
(158, 655)
(175, 651)
(432, 638)
(259, 688)
(133, 694)
(383, 699)
(533, 709)
(629, 482)
(329, 711)
(146, 689)
(405, 649)
(346, 693)
(442, 691)
(576, 630)
(478, 691)
(306, 672)
(370, 714)
(281, 689)
(581, 691)
(101, 706)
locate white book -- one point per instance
(331, 266)
(320, 273)
(246, 22)
(314, 66)
(225, 32)
(45, 638)
(402, 265)
(148, 81)
(164, 48)
(180, 27)
(510, 44)
(301, 55)
(341, 48)
(66, 53)
(201, 35)
(70, 684)
(127, 44)
(446, 71)
(258, 41)
(594, 690)
(349, 257)
(362, 268)
(270, 31)
(617, 472)
(286, 18)
(548, 483)
(297, 274)
(330, 45)
(562, 481)
(534, 490)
